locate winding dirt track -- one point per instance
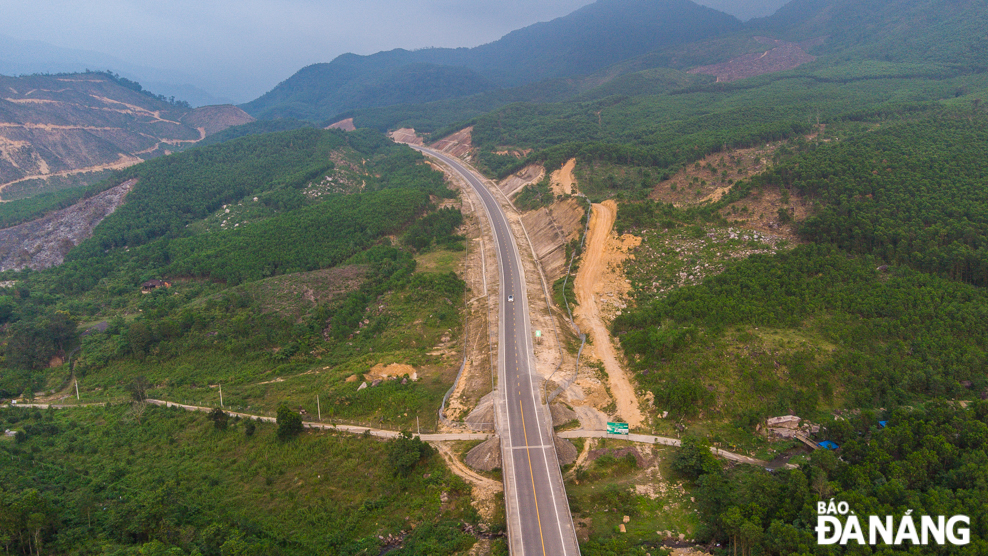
(588, 315)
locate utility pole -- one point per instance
(318, 408)
(221, 395)
(417, 427)
(77, 389)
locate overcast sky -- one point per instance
(242, 48)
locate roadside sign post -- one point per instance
(617, 428)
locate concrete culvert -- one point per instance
(565, 451)
(486, 456)
(482, 416)
(561, 414)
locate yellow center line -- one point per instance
(531, 474)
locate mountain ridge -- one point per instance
(583, 42)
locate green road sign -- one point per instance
(617, 428)
(538, 333)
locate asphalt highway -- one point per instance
(539, 519)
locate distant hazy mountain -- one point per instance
(580, 43)
(21, 57)
(71, 124)
(946, 31)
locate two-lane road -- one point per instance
(539, 520)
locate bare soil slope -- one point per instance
(44, 242)
(590, 286)
(70, 124)
(459, 144)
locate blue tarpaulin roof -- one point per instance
(829, 445)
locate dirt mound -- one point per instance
(404, 135)
(486, 456)
(565, 450)
(345, 125)
(458, 144)
(561, 414)
(785, 56)
(44, 242)
(394, 370)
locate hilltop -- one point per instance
(58, 131)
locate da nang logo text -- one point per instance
(836, 524)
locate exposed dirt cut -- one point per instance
(551, 228)
(60, 126)
(713, 177)
(405, 135)
(602, 258)
(345, 125)
(562, 180)
(459, 144)
(515, 182)
(394, 370)
(213, 119)
(44, 242)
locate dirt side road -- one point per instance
(587, 284)
(484, 489)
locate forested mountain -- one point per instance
(63, 130)
(581, 43)
(892, 31)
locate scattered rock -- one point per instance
(362, 386)
(622, 528)
(627, 518)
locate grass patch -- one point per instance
(114, 478)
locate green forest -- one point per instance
(275, 268)
(226, 302)
(146, 480)
(886, 297)
(925, 461)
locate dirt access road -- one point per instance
(588, 316)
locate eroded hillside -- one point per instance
(76, 125)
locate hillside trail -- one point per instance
(124, 161)
(588, 278)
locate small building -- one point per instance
(151, 285)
